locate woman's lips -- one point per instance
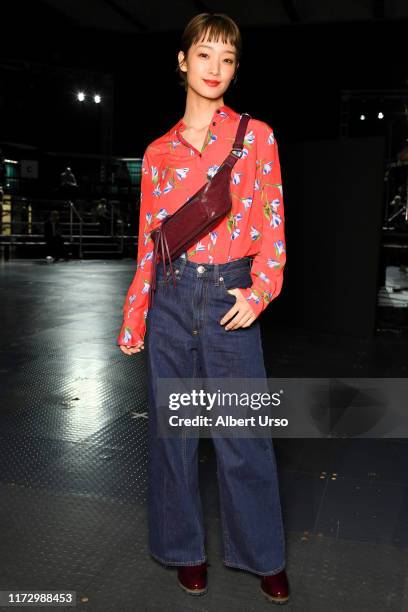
(212, 83)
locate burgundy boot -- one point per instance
(276, 587)
(193, 578)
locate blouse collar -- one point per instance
(222, 113)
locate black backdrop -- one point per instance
(333, 196)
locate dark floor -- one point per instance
(73, 462)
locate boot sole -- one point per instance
(192, 591)
(277, 600)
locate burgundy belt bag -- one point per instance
(200, 214)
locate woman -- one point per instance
(206, 325)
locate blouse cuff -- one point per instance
(254, 299)
(131, 333)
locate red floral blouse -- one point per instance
(173, 170)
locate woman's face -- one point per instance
(209, 61)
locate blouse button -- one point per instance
(214, 123)
(221, 278)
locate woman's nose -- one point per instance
(214, 68)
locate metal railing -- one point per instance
(73, 210)
(84, 224)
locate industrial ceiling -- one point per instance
(160, 15)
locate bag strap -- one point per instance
(238, 146)
(240, 135)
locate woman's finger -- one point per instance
(245, 321)
(131, 350)
(237, 321)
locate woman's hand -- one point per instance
(243, 311)
(131, 350)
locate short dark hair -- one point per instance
(215, 25)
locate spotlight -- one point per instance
(380, 115)
(80, 96)
(97, 99)
(362, 117)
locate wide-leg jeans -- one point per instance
(184, 339)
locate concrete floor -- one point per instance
(73, 462)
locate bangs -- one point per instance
(212, 27)
(216, 30)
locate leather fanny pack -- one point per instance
(200, 214)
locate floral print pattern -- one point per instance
(173, 170)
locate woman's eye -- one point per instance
(202, 54)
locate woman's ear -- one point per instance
(181, 61)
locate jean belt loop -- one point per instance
(215, 274)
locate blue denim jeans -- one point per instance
(185, 339)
